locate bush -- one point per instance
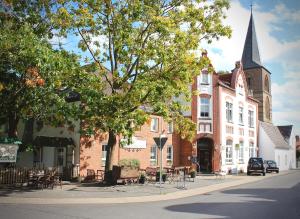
(193, 174)
(133, 163)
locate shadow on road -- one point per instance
(246, 203)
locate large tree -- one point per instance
(145, 52)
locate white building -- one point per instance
(238, 121)
(277, 143)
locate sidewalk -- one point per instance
(95, 194)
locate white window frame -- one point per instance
(251, 149)
(251, 118)
(241, 115)
(229, 151)
(170, 127)
(169, 153)
(206, 106)
(154, 124)
(241, 152)
(229, 113)
(103, 155)
(204, 79)
(153, 154)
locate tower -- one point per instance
(258, 77)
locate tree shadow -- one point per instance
(246, 203)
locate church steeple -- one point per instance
(251, 57)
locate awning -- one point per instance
(53, 141)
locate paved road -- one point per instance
(275, 197)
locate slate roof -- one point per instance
(251, 57)
(286, 131)
(275, 135)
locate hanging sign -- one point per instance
(8, 153)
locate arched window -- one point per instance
(267, 84)
(267, 108)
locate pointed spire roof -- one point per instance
(251, 57)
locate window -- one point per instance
(170, 127)
(241, 89)
(204, 127)
(250, 118)
(251, 133)
(204, 78)
(153, 155)
(251, 149)
(228, 151)
(241, 152)
(267, 86)
(205, 107)
(154, 124)
(103, 156)
(229, 129)
(267, 109)
(241, 131)
(228, 112)
(169, 153)
(241, 119)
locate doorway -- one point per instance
(204, 154)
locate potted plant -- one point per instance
(142, 178)
(163, 176)
(193, 174)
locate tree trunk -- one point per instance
(112, 141)
(13, 120)
(27, 138)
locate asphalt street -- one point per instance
(275, 197)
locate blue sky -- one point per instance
(277, 26)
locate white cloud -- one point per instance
(287, 14)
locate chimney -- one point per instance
(237, 64)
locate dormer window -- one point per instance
(204, 78)
(241, 89)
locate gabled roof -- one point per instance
(274, 135)
(286, 131)
(251, 57)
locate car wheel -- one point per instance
(277, 171)
(264, 173)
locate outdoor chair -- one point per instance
(150, 174)
(221, 174)
(90, 175)
(100, 175)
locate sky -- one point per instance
(277, 26)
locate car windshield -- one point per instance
(256, 160)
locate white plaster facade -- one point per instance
(284, 154)
(240, 134)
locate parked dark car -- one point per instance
(271, 166)
(256, 165)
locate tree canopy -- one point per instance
(145, 52)
(143, 57)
